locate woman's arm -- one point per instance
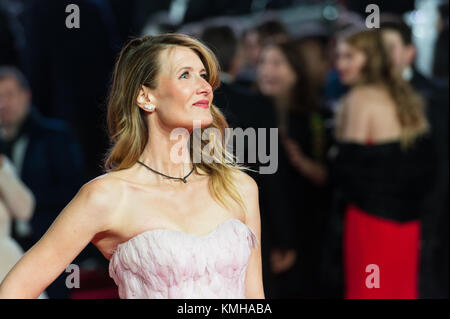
(87, 214)
(17, 197)
(311, 169)
(253, 281)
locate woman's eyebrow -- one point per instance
(188, 68)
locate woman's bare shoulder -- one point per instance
(102, 195)
(246, 183)
(248, 188)
(100, 184)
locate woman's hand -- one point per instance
(282, 260)
(309, 168)
(18, 199)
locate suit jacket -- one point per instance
(52, 169)
(436, 98)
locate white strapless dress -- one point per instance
(163, 263)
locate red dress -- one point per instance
(381, 256)
(390, 245)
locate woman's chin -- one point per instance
(206, 121)
(198, 122)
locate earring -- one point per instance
(150, 107)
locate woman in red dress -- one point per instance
(382, 169)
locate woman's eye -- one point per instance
(205, 76)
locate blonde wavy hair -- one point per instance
(139, 64)
(379, 69)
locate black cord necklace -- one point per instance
(155, 171)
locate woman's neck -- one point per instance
(169, 157)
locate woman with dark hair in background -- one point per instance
(251, 42)
(383, 169)
(282, 75)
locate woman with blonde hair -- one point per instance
(383, 169)
(171, 225)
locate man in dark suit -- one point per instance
(247, 110)
(46, 156)
(398, 38)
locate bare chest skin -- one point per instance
(189, 208)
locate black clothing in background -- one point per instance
(434, 257)
(383, 180)
(243, 109)
(53, 170)
(386, 180)
(309, 202)
(434, 237)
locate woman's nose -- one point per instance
(205, 87)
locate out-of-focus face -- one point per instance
(251, 49)
(14, 102)
(275, 76)
(181, 85)
(402, 55)
(349, 63)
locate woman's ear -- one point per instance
(145, 99)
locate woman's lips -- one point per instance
(202, 104)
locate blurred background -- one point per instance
(54, 82)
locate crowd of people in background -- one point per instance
(362, 140)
